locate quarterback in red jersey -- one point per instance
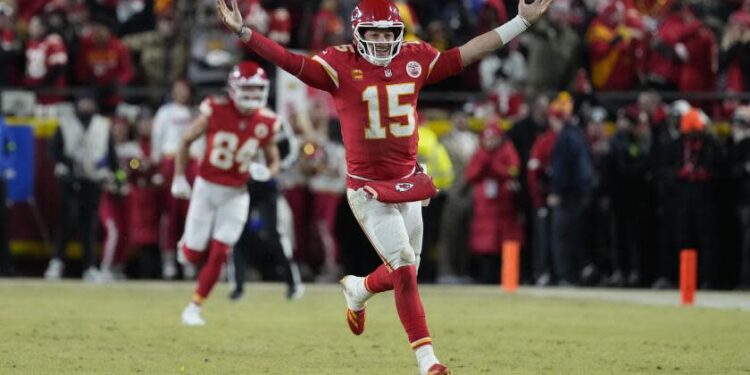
(236, 128)
(375, 83)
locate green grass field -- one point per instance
(134, 328)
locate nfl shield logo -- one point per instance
(404, 186)
(388, 73)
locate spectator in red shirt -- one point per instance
(46, 59)
(735, 49)
(327, 26)
(103, 62)
(271, 18)
(613, 48)
(493, 171)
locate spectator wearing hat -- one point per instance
(103, 63)
(694, 160)
(493, 171)
(740, 171)
(571, 185)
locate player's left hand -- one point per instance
(180, 187)
(232, 18)
(531, 11)
(260, 172)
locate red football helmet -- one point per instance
(249, 86)
(377, 14)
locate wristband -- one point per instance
(243, 31)
(512, 29)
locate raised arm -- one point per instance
(306, 69)
(483, 45)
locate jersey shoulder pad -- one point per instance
(272, 118)
(208, 104)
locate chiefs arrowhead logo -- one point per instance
(404, 186)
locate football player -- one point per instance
(375, 82)
(236, 127)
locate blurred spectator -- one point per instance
(685, 55)
(493, 171)
(453, 257)
(614, 49)
(46, 60)
(694, 160)
(598, 226)
(538, 176)
(327, 26)
(84, 153)
(103, 63)
(523, 135)
(213, 50)
(435, 158)
(144, 216)
(492, 14)
(631, 188)
(113, 209)
(412, 28)
(437, 36)
(735, 49)
(11, 50)
(6, 148)
(323, 161)
(163, 52)
(571, 184)
(172, 120)
(555, 51)
(740, 171)
(270, 18)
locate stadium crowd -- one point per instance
(566, 145)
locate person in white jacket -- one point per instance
(170, 123)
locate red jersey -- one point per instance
(41, 57)
(377, 107)
(105, 64)
(232, 140)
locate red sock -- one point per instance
(217, 255)
(379, 280)
(409, 306)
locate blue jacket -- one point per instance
(572, 168)
(5, 149)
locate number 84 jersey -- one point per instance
(233, 140)
(377, 107)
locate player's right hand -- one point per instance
(180, 187)
(232, 18)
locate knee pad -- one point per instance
(193, 256)
(408, 256)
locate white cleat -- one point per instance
(354, 299)
(92, 275)
(54, 269)
(296, 293)
(168, 266)
(191, 316)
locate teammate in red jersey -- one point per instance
(236, 128)
(375, 82)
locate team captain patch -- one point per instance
(414, 69)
